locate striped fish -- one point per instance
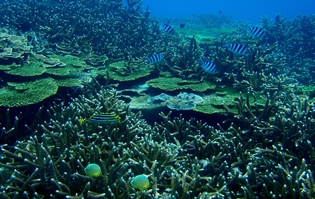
(168, 29)
(256, 31)
(236, 48)
(155, 58)
(107, 118)
(208, 66)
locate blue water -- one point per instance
(247, 10)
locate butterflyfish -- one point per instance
(93, 170)
(140, 182)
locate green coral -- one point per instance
(73, 64)
(121, 71)
(26, 93)
(216, 102)
(30, 69)
(58, 71)
(7, 67)
(172, 84)
(70, 61)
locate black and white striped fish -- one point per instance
(256, 31)
(168, 29)
(208, 66)
(155, 58)
(238, 49)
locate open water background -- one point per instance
(247, 10)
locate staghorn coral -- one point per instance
(263, 151)
(18, 127)
(54, 161)
(183, 158)
(102, 27)
(275, 134)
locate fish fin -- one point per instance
(81, 121)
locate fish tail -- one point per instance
(81, 121)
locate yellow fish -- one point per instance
(107, 118)
(140, 182)
(93, 170)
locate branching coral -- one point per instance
(264, 152)
(56, 159)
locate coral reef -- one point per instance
(263, 148)
(182, 101)
(258, 154)
(128, 71)
(104, 27)
(13, 48)
(172, 84)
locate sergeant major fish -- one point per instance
(238, 49)
(168, 29)
(256, 31)
(155, 58)
(208, 66)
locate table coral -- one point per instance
(26, 93)
(182, 101)
(26, 70)
(172, 84)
